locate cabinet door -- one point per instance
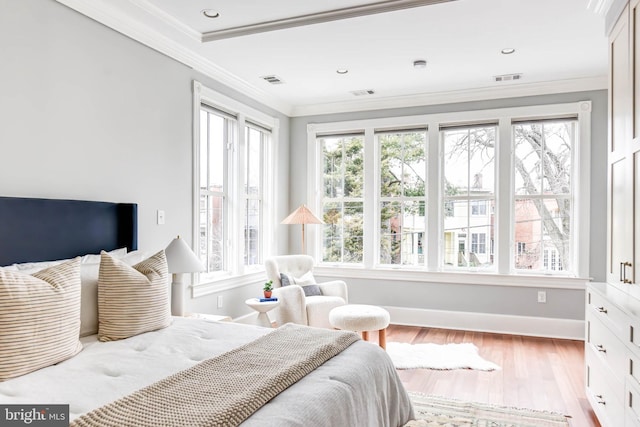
(620, 87)
(621, 260)
(620, 223)
(634, 34)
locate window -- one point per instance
(469, 171)
(343, 198)
(478, 207)
(543, 211)
(233, 152)
(257, 140)
(403, 167)
(487, 190)
(478, 243)
(216, 135)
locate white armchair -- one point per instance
(294, 306)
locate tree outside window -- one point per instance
(343, 198)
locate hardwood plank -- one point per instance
(537, 373)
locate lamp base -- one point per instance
(177, 295)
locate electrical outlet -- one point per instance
(219, 301)
(542, 296)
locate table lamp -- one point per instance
(180, 260)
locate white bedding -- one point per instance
(359, 387)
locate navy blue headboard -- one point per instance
(51, 229)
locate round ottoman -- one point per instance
(361, 318)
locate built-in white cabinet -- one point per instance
(612, 345)
(612, 355)
(623, 199)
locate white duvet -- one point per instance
(359, 387)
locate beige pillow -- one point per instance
(132, 299)
(89, 300)
(39, 318)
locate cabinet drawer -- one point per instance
(610, 314)
(632, 405)
(634, 370)
(608, 347)
(608, 406)
(633, 337)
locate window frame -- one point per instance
(432, 269)
(236, 273)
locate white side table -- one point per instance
(262, 308)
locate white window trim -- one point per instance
(238, 276)
(432, 270)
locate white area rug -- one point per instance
(434, 411)
(438, 356)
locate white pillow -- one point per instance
(32, 267)
(95, 258)
(305, 279)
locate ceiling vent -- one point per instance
(507, 77)
(274, 80)
(363, 92)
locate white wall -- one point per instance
(87, 113)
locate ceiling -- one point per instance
(560, 46)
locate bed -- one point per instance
(358, 386)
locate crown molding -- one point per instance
(168, 19)
(104, 12)
(469, 95)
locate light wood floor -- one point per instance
(537, 373)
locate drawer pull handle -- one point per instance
(624, 266)
(602, 310)
(601, 348)
(600, 399)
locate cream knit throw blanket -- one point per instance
(227, 389)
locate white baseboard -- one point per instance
(486, 322)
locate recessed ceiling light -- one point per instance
(210, 13)
(342, 71)
(507, 51)
(419, 63)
